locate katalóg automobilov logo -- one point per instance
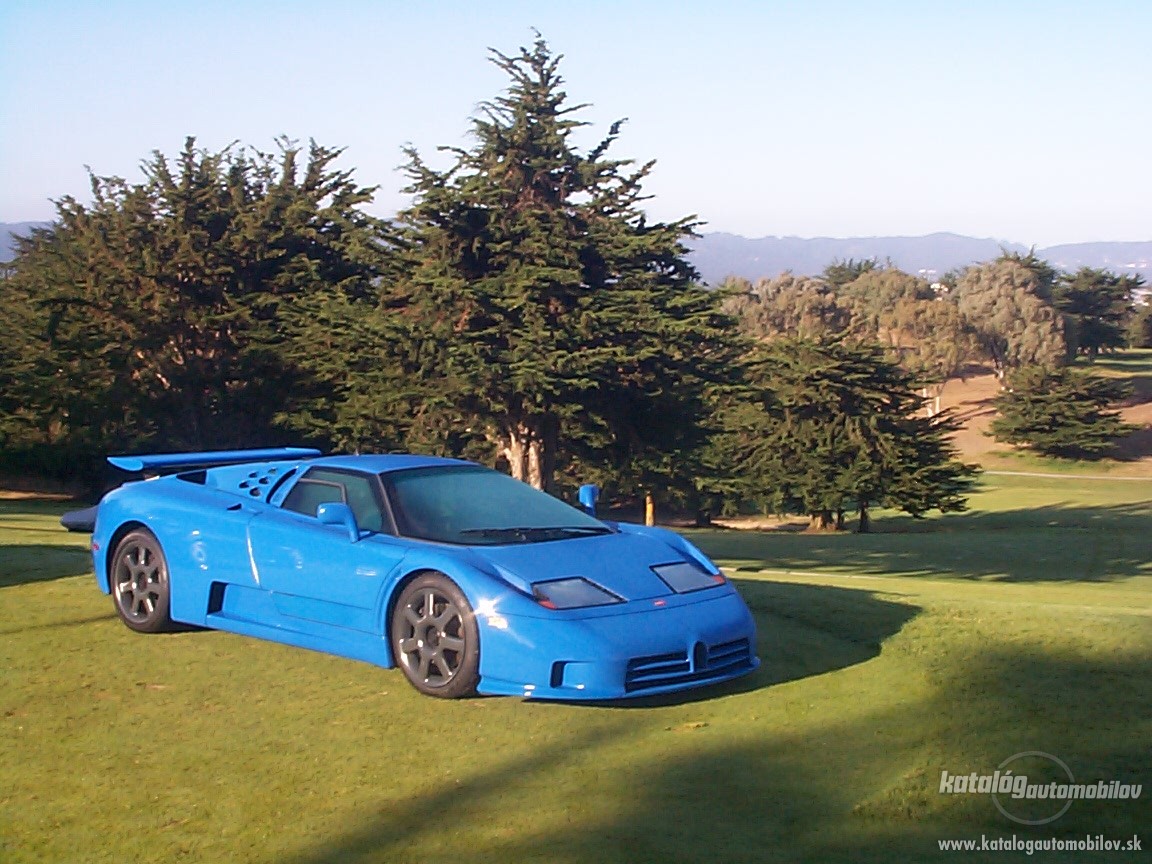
(1034, 787)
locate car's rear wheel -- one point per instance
(434, 637)
(140, 582)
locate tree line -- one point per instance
(524, 311)
(1017, 314)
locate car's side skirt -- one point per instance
(361, 647)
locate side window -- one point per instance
(324, 485)
(309, 494)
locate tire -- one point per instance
(434, 637)
(139, 577)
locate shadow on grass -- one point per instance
(1088, 711)
(806, 630)
(802, 630)
(1134, 365)
(1062, 542)
(1135, 445)
(24, 563)
(833, 789)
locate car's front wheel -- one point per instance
(140, 582)
(434, 637)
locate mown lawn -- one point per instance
(1134, 364)
(948, 644)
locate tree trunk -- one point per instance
(931, 395)
(513, 449)
(821, 521)
(535, 464)
(529, 446)
(865, 520)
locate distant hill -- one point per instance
(719, 255)
(1118, 257)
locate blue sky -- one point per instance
(1024, 121)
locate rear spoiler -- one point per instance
(170, 463)
(156, 464)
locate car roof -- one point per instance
(386, 463)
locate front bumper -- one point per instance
(656, 646)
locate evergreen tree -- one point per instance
(545, 313)
(46, 370)
(840, 272)
(1061, 412)
(153, 317)
(1045, 276)
(930, 340)
(786, 306)
(1097, 307)
(930, 337)
(1139, 329)
(872, 297)
(1004, 302)
(836, 427)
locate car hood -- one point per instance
(621, 562)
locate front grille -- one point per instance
(684, 667)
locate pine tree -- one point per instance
(842, 271)
(836, 427)
(1061, 412)
(1139, 329)
(1097, 307)
(552, 318)
(873, 295)
(1006, 303)
(155, 313)
(786, 306)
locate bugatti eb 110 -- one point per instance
(468, 580)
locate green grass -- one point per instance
(948, 644)
(1019, 529)
(1034, 463)
(1133, 363)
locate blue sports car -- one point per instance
(468, 580)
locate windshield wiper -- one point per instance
(578, 529)
(526, 534)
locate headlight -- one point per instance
(684, 577)
(572, 593)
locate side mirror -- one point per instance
(335, 513)
(589, 495)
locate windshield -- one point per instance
(478, 506)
